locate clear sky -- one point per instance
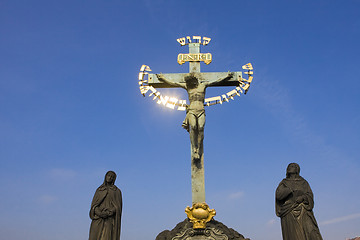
(70, 110)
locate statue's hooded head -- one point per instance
(110, 178)
(292, 169)
(191, 81)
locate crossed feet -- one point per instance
(196, 154)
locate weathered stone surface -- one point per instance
(294, 205)
(214, 231)
(105, 211)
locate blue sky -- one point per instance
(70, 109)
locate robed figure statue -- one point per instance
(105, 211)
(294, 203)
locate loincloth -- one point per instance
(196, 113)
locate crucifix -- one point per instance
(195, 83)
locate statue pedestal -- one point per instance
(214, 231)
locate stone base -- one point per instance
(214, 231)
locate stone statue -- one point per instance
(195, 113)
(294, 203)
(105, 211)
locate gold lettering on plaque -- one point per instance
(194, 57)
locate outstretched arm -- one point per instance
(228, 77)
(161, 78)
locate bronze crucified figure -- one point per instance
(195, 113)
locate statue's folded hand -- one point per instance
(110, 212)
(104, 214)
(300, 199)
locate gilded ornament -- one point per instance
(199, 214)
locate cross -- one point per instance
(195, 82)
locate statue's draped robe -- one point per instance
(297, 220)
(106, 197)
